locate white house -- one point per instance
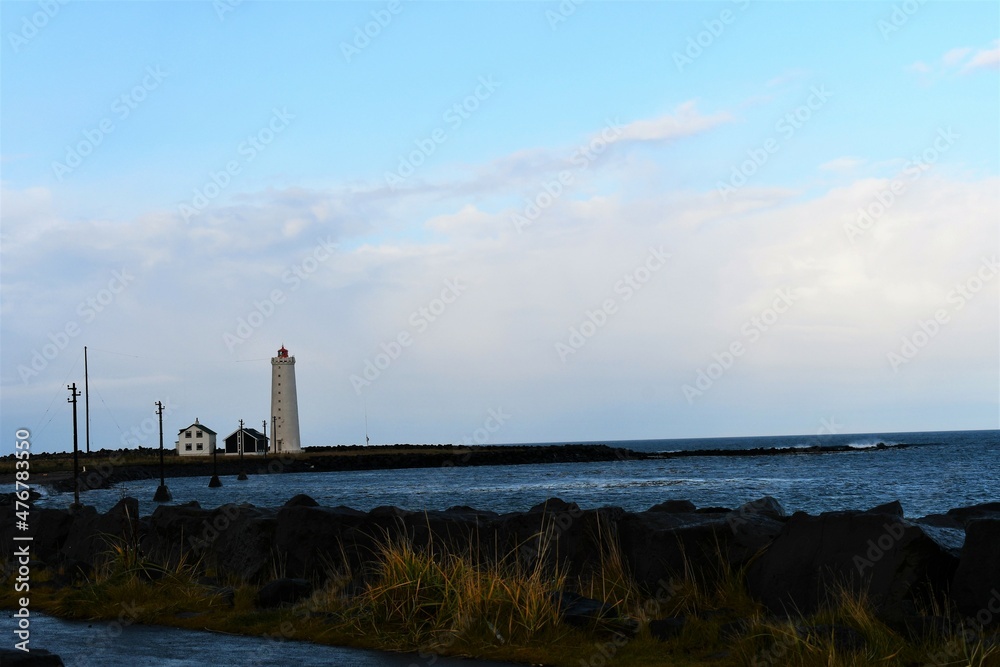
(195, 440)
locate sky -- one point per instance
(500, 222)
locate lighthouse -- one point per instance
(284, 404)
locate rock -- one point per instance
(976, 587)
(664, 629)
(940, 521)
(35, 658)
(890, 559)
(554, 505)
(587, 613)
(178, 532)
(895, 508)
(766, 506)
(227, 595)
(658, 545)
(981, 511)
(93, 536)
(673, 506)
(311, 539)
(282, 591)
(580, 611)
(242, 541)
(950, 539)
(301, 500)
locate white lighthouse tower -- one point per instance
(284, 404)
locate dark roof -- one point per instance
(201, 426)
(252, 432)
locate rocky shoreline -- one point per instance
(792, 562)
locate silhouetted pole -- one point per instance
(86, 401)
(214, 482)
(73, 393)
(243, 472)
(264, 424)
(274, 431)
(162, 492)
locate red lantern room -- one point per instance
(282, 353)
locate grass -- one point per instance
(430, 599)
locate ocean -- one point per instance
(934, 472)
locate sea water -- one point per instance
(934, 472)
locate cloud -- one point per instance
(984, 59)
(685, 121)
(955, 56)
(842, 164)
(958, 60)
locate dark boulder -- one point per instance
(982, 511)
(179, 533)
(301, 500)
(35, 658)
(766, 506)
(890, 559)
(282, 591)
(673, 506)
(242, 542)
(976, 588)
(658, 545)
(895, 508)
(664, 629)
(311, 540)
(93, 537)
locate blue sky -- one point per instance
(217, 156)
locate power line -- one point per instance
(59, 390)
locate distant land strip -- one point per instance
(144, 464)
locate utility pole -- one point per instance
(162, 492)
(86, 400)
(274, 431)
(215, 482)
(243, 472)
(264, 424)
(73, 393)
